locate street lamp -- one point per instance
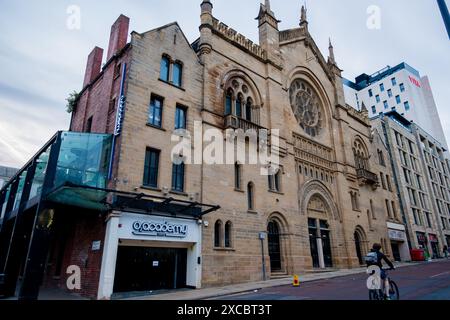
(445, 15)
(262, 238)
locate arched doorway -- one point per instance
(273, 230)
(360, 244)
(320, 232)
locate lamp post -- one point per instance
(262, 237)
(445, 15)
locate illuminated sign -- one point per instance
(120, 114)
(157, 229)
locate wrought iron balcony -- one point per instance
(367, 177)
(233, 122)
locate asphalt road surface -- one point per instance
(421, 282)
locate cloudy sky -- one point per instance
(42, 60)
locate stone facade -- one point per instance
(329, 195)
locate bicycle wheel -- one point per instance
(375, 295)
(393, 290)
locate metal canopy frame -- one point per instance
(147, 204)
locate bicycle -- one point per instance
(380, 293)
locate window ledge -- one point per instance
(252, 211)
(224, 249)
(239, 190)
(151, 188)
(171, 84)
(179, 193)
(276, 192)
(155, 127)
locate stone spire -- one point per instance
(206, 27)
(303, 17)
(331, 58)
(206, 6)
(267, 15)
(269, 37)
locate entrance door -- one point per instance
(436, 251)
(396, 251)
(314, 248)
(327, 255)
(274, 246)
(358, 248)
(147, 269)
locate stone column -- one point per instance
(110, 248)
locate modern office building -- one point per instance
(109, 198)
(422, 177)
(401, 89)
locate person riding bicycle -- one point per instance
(376, 258)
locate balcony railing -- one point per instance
(233, 122)
(367, 177)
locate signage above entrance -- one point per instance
(397, 235)
(157, 229)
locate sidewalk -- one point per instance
(209, 293)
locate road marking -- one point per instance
(440, 274)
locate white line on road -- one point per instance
(440, 274)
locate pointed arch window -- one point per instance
(218, 234)
(248, 109)
(229, 102)
(239, 102)
(250, 196)
(228, 232)
(237, 176)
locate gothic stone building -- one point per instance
(323, 209)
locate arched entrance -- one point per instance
(273, 230)
(320, 232)
(358, 248)
(360, 244)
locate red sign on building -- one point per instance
(415, 82)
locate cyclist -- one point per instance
(377, 260)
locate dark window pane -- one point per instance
(250, 196)
(180, 118)
(237, 176)
(228, 103)
(178, 177)
(217, 233)
(228, 235)
(151, 168)
(165, 65)
(177, 74)
(239, 108)
(155, 112)
(248, 111)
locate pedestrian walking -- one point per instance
(446, 252)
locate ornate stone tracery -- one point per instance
(307, 107)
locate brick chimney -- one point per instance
(119, 35)
(94, 65)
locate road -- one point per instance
(420, 282)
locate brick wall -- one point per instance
(78, 251)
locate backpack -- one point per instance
(371, 258)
